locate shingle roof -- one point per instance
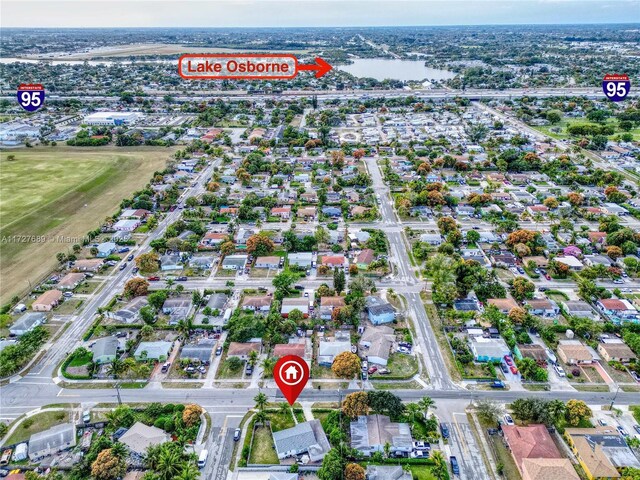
(140, 437)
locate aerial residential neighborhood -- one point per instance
(444, 226)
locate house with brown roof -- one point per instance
(242, 350)
(327, 304)
(537, 352)
(283, 212)
(283, 349)
(47, 301)
(257, 303)
(70, 281)
(364, 258)
(88, 265)
(548, 469)
(333, 261)
(601, 451)
(503, 304)
(213, 238)
(358, 210)
(614, 349)
(270, 262)
(308, 213)
(598, 237)
(574, 352)
(532, 441)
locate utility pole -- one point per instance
(614, 398)
(118, 394)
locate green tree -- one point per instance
(385, 403)
(261, 400)
(339, 281)
(332, 465)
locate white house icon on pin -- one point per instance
(291, 373)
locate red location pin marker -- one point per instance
(291, 373)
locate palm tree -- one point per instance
(413, 409)
(285, 409)
(267, 365)
(439, 468)
(189, 472)
(184, 327)
(117, 367)
(169, 464)
(169, 283)
(426, 403)
(261, 401)
(253, 358)
(261, 417)
(119, 450)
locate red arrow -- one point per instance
(321, 66)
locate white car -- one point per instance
(419, 454)
(508, 420)
(559, 370)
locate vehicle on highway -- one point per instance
(602, 423)
(455, 467)
(508, 419)
(236, 435)
(122, 266)
(618, 281)
(636, 428)
(130, 257)
(497, 384)
(135, 270)
(547, 276)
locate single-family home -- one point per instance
(301, 259)
(27, 322)
(47, 301)
(181, 304)
(618, 310)
(291, 304)
(376, 343)
(126, 225)
(337, 260)
(130, 313)
(592, 260)
(364, 258)
(200, 351)
(433, 239)
(531, 441)
(170, 262)
(543, 307)
(105, 350)
(211, 239)
(579, 308)
(601, 451)
(488, 349)
(257, 303)
(504, 305)
(158, 351)
(271, 262)
(234, 262)
(105, 249)
(548, 469)
(327, 304)
(379, 311)
(242, 350)
(332, 212)
(614, 349)
(327, 350)
(284, 213)
(371, 433)
(307, 213)
(307, 438)
(70, 281)
(51, 441)
(298, 349)
(140, 437)
(88, 265)
(574, 352)
(570, 261)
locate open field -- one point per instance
(559, 130)
(37, 423)
(50, 193)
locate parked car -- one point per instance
(497, 384)
(455, 468)
(508, 360)
(508, 420)
(602, 423)
(182, 278)
(384, 371)
(364, 365)
(444, 430)
(504, 368)
(218, 351)
(153, 279)
(559, 370)
(419, 454)
(67, 294)
(514, 370)
(202, 369)
(622, 431)
(636, 428)
(249, 370)
(236, 435)
(421, 446)
(165, 367)
(372, 370)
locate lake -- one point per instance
(405, 70)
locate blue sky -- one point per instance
(265, 13)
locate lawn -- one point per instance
(55, 195)
(421, 472)
(559, 131)
(262, 450)
(37, 423)
(225, 370)
(280, 421)
(401, 365)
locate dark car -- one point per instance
(248, 370)
(455, 467)
(182, 278)
(504, 368)
(444, 430)
(130, 257)
(236, 435)
(218, 351)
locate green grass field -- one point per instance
(50, 193)
(37, 423)
(559, 130)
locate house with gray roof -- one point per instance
(387, 472)
(105, 350)
(27, 322)
(200, 351)
(140, 437)
(370, 434)
(327, 351)
(105, 249)
(130, 313)
(379, 310)
(234, 262)
(301, 259)
(51, 441)
(170, 262)
(217, 301)
(306, 438)
(159, 351)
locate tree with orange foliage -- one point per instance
(576, 199)
(136, 287)
(191, 414)
(346, 365)
(353, 471)
(551, 202)
(521, 236)
(614, 251)
(260, 244)
(108, 466)
(355, 404)
(359, 153)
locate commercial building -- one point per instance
(112, 118)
